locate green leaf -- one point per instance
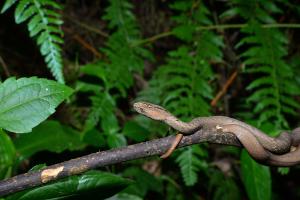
(7, 5)
(26, 102)
(94, 138)
(116, 140)
(184, 32)
(171, 191)
(109, 124)
(256, 178)
(229, 13)
(135, 131)
(7, 155)
(228, 191)
(283, 170)
(91, 185)
(144, 182)
(222, 186)
(125, 196)
(50, 136)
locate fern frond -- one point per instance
(190, 164)
(103, 105)
(269, 94)
(275, 86)
(182, 85)
(253, 10)
(44, 24)
(123, 57)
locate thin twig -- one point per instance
(224, 88)
(213, 27)
(84, 43)
(87, 27)
(233, 26)
(104, 158)
(153, 38)
(87, 45)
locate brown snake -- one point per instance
(260, 146)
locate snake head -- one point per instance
(151, 110)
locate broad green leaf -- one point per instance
(222, 186)
(116, 140)
(7, 155)
(50, 136)
(256, 178)
(94, 138)
(144, 182)
(135, 131)
(91, 185)
(228, 190)
(124, 196)
(26, 102)
(109, 124)
(171, 191)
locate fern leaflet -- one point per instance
(44, 24)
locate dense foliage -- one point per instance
(180, 54)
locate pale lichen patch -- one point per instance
(293, 148)
(218, 127)
(78, 170)
(50, 174)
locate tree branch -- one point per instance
(104, 158)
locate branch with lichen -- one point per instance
(105, 158)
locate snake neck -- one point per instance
(182, 127)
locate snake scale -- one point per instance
(267, 150)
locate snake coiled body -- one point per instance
(263, 148)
